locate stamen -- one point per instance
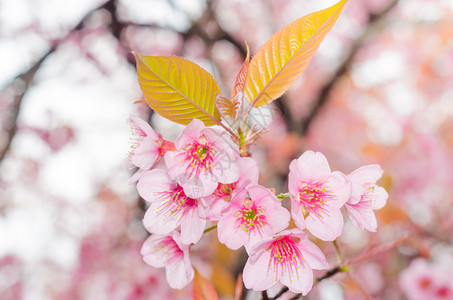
(285, 256)
(175, 203)
(314, 196)
(250, 217)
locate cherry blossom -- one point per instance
(147, 146)
(317, 194)
(204, 157)
(288, 258)
(171, 207)
(220, 198)
(423, 280)
(168, 251)
(366, 196)
(254, 213)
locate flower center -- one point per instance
(224, 190)
(200, 155)
(171, 249)
(425, 283)
(314, 197)
(175, 202)
(285, 255)
(250, 217)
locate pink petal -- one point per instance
(357, 190)
(313, 255)
(258, 276)
(179, 273)
(146, 154)
(159, 223)
(152, 183)
(233, 238)
(294, 177)
(225, 170)
(144, 126)
(278, 216)
(248, 171)
(341, 187)
(362, 216)
(197, 187)
(152, 253)
(136, 176)
(313, 165)
(328, 228)
(192, 227)
(300, 282)
(191, 132)
(379, 197)
(366, 174)
(298, 216)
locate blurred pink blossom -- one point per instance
(423, 280)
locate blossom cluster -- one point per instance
(425, 280)
(204, 180)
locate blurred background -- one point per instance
(379, 90)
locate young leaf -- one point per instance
(283, 58)
(202, 288)
(178, 89)
(227, 108)
(242, 76)
(231, 109)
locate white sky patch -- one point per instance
(387, 66)
(329, 289)
(155, 12)
(402, 99)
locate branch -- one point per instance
(26, 79)
(373, 24)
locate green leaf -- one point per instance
(283, 58)
(178, 89)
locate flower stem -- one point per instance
(209, 229)
(337, 250)
(281, 196)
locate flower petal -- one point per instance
(328, 228)
(152, 184)
(258, 276)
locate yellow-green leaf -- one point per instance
(202, 288)
(283, 58)
(178, 89)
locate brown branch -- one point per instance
(374, 21)
(25, 81)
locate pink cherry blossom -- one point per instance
(171, 207)
(423, 280)
(204, 157)
(220, 198)
(288, 258)
(254, 213)
(317, 194)
(366, 196)
(147, 146)
(168, 251)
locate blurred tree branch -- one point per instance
(374, 24)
